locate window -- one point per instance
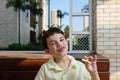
(80, 26)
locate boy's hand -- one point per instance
(90, 63)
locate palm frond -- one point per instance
(23, 5)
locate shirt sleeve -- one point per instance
(87, 75)
(40, 75)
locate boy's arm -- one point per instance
(40, 75)
(91, 66)
(95, 76)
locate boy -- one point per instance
(62, 66)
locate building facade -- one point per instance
(106, 32)
(30, 26)
(55, 20)
(8, 25)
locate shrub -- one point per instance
(16, 46)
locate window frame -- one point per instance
(71, 14)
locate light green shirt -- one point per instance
(51, 71)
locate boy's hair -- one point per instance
(48, 33)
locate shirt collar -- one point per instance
(53, 65)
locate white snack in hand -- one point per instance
(85, 60)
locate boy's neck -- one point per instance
(63, 62)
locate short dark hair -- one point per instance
(48, 33)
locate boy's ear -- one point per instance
(46, 51)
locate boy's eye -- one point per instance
(62, 39)
(52, 43)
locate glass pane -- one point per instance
(80, 23)
(80, 6)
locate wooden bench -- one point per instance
(25, 66)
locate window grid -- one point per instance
(80, 26)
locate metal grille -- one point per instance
(80, 5)
(80, 42)
(80, 23)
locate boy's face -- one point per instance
(57, 45)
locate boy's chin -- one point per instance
(63, 53)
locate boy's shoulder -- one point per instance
(48, 63)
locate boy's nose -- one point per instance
(58, 44)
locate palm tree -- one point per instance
(61, 15)
(24, 5)
(34, 8)
(85, 9)
(16, 4)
